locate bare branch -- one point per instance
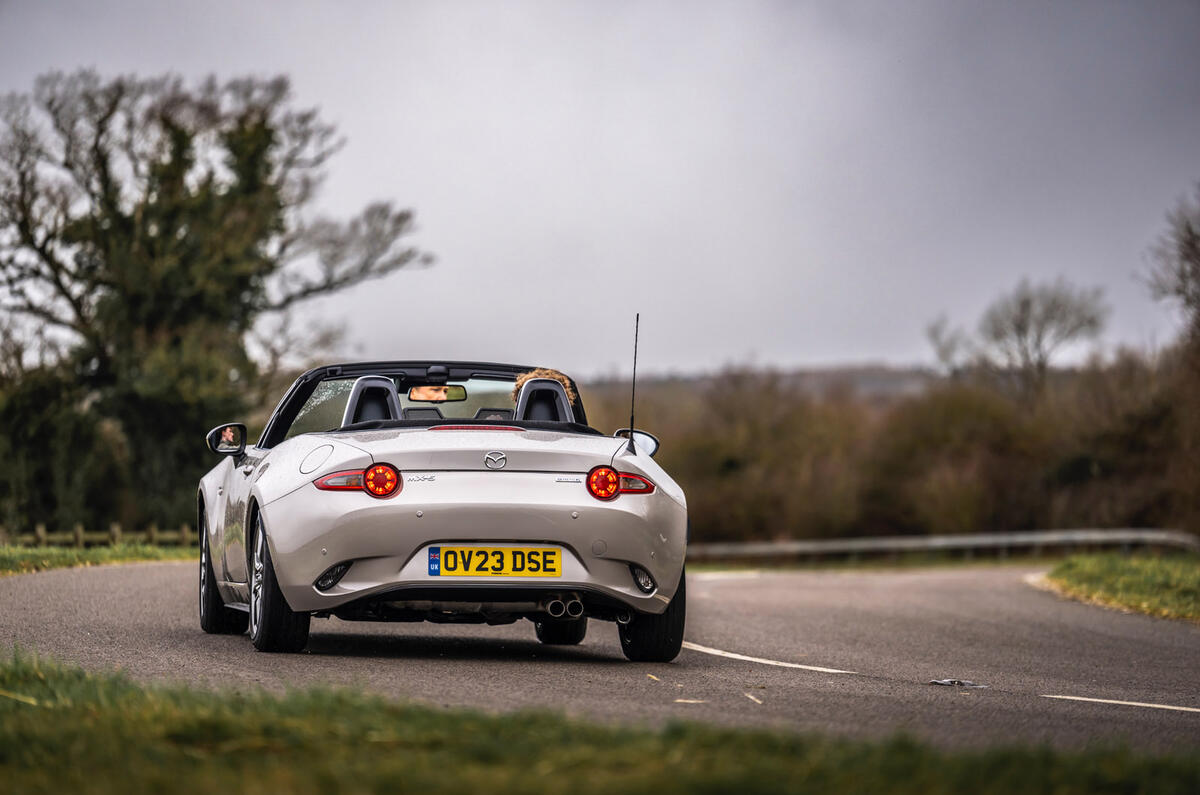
(950, 345)
(363, 249)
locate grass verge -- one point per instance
(64, 730)
(21, 560)
(1167, 586)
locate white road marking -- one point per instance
(689, 701)
(760, 660)
(745, 574)
(1126, 703)
(755, 699)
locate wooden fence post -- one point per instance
(185, 535)
(39, 532)
(77, 530)
(152, 534)
(114, 533)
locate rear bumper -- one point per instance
(388, 540)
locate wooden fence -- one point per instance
(115, 534)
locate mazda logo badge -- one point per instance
(495, 460)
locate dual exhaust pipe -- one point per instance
(571, 608)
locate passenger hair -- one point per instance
(545, 372)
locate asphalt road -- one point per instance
(889, 633)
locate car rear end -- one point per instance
(478, 523)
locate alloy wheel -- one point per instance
(203, 570)
(256, 583)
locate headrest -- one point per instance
(373, 397)
(543, 400)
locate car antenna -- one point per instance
(637, 320)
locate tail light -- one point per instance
(635, 484)
(605, 483)
(380, 480)
(351, 480)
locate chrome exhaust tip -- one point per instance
(556, 608)
(574, 608)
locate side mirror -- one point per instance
(643, 442)
(227, 439)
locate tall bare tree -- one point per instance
(1176, 278)
(1176, 274)
(1021, 331)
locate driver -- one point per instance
(433, 394)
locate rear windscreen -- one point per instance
(473, 398)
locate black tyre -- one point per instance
(273, 625)
(215, 617)
(561, 632)
(658, 638)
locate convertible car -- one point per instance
(446, 492)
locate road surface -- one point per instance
(849, 653)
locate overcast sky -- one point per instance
(788, 183)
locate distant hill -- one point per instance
(871, 382)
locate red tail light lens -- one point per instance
(380, 480)
(603, 483)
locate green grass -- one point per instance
(1159, 585)
(19, 560)
(64, 730)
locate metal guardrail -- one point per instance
(1002, 543)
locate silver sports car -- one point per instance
(440, 491)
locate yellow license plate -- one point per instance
(495, 562)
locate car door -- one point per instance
(238, 480)
(213, 486)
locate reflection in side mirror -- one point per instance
(644, 443)
(227, 439)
